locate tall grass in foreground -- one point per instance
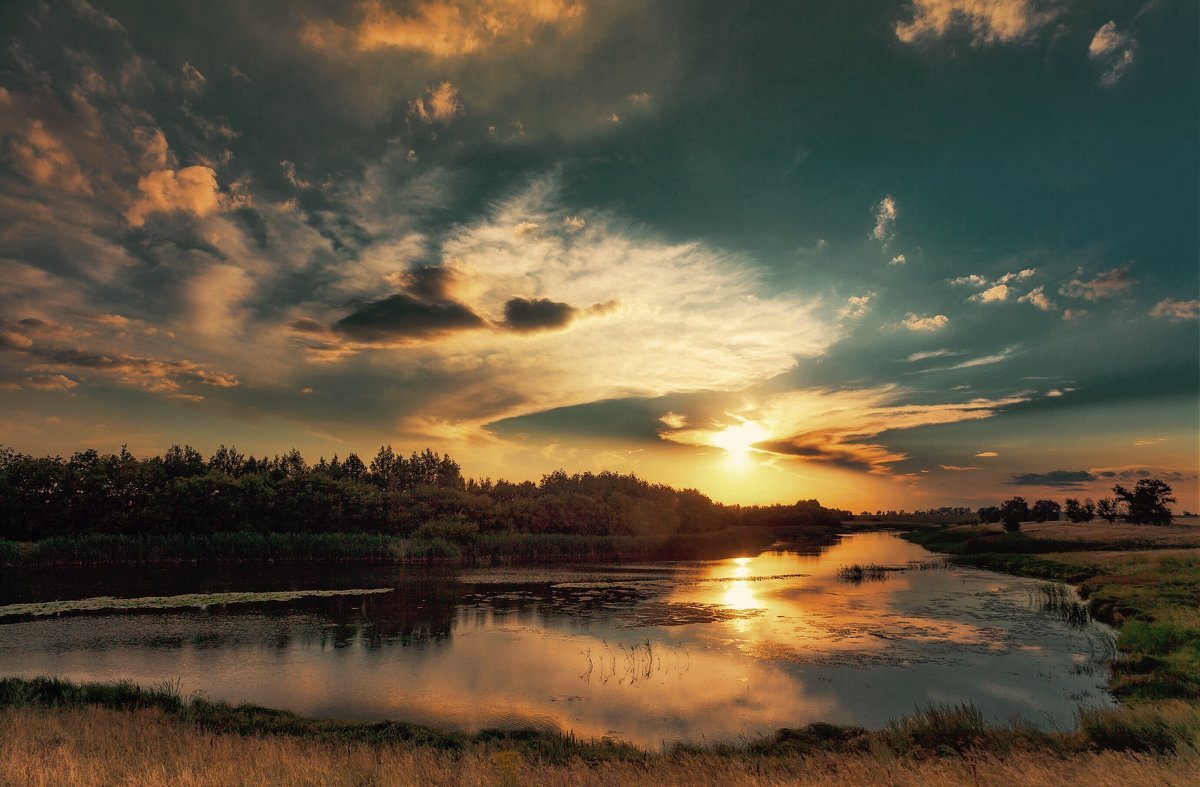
(91, 747)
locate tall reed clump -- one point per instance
(1057, 599)
(1158, 727)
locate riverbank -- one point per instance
(54, 732)
(468, 548)
(1143, 579)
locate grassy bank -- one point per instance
(235, 547)
(102, 747)
(1145, 580)
(55, 732)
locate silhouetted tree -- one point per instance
(1013, 512)
(1080, 512)
(989, 514)
(1046, 510)
(1106, 508)
(1148, 503)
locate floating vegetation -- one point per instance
(856, 573)
(662, 613)
(1057, 599)
(190, 600)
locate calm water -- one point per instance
(706, 650)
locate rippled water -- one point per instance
(702, 651)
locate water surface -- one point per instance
(700, 650)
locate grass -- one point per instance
(93, 746)
(57, 732)
(237, 547)
(1150, 591)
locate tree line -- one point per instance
(1148, 503)
(182, 492)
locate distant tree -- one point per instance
(1013, 512)
(989, 514)
(227, 461)
(1080, 512)
(1106, 508)
(1148, 503)
(1046, 511)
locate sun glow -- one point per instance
(738, 441)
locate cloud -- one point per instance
(988, 21)
(1176, 309)
(1142, 443)
(153, 374)
(927, 354)
(1104, 285)
(193, 81)
(1114, 50)
(899, 259)
(1136, 473)
(40, 382)
(836, 427)
(957, 469)
(1074, 314)
(1060, 479)
(986, 360)
(993, 294)
(856, 305)
(526, 315)
(987, 454)
(1054, 393)
(444, 28)
(190, 190)
(1037, 297)
(926, 323)
(998, 290)
(673, 420)
(440, 104)
(403, 317)
(1026, 273)
(44, 159)
(885, 219)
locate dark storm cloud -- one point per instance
(850, 457)
(1063, 479)
(401, 316)
(527, 315)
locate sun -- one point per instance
(738, 441)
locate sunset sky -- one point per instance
(884, 254)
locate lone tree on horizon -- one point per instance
(1013, 512)
(1148, 503)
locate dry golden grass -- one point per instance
(1181, 534)
(104, 747)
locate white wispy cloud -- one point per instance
(1175, 309)
(1101, 286)
(1114, 50)
(856, 305)
(885, 219)
(1037, 297)
(924, 323)
(988, 21)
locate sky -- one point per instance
(883, 254)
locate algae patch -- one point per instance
(190, 600)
